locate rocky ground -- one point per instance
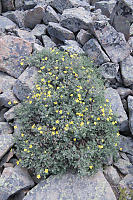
(103, 30)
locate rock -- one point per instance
(5, 128)
(10, 115)
(124, 156)
(25, 83)
(124, 166)
(117, 108)
(33, 17)
(19, 4)
(37, 47)
(11, 49)
(2, 112)
(7, 99)
(71, 186)
(6, 24)
(13, 180)
(112, 42)
(15, 16)
(130, 109)
(0, 7)
(111, 175)
(94, 51)
(61, 5)
(83, 36)
(127, 70)
(39, 30)
(47, 42)
(72, 46)
(131, 30)
(127, 182)
(109, 70)
(122, 16)
(50, 15)
(124, 92)
(26, 35)
(6, 82)
(29, 4)
(130, 42)
(57, 31)
(126, 143)
(76, 19)
(6, 142)
(7, 5)
(106, 7)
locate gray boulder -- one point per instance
(50, 15)
(47, 42)
(112, 175)
(2, 112)
(6, 82)
(15, 16)
(124, 166)
(109, 70)
(34, 16)
(6, 142)
(117, 108)
(127, 71)
(72, 46)
(25, 83)
(39, 30)
(7, 5)
(5, 128)
(0, 7)
(83, 36)
(57, 31)
(19, 4)
(26, 35)
(72, 187)
(130, 109)
(37, 47)
(127, 183)
(76, 19)
(6, 24)
(7, 99)
(126, 143)
(124, 92)
(10, 114)
(94, 51)
(112, 42)
(13, 180)
(131, 30)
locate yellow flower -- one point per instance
(55, 102)
(90, 166)
(41, 132)
(30, 102)
(62, 59)
(21, 63)
(88, 122)
(82, 123)
(42, 79)
(38, 176)
(46, 58)
(25, 149)
(95, 123)
(60, 111)
(61, 96)
(107, 119)
(120, 149)
(30, 146)
(56, 132)
(116, 144)
(100, 146)
(33, 126)
(53, 133)
(90, 99)
(118, 134)
(71, 122)
(39, 128)
(102, 140)
(43, 67)
(9, 103)
(77, 100)
(65, 72)
(22, 135)
(54, 128)
(107, 100)
(15, 127)
(57, 121)
(71, 95)
(74, 139)
(46, 171)
(17, 162)
(113, 123)
(15, 102)
(98, 118)
(56, 111)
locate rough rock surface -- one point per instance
(50, 15)
(124, 166)
(11, 49)
(109, 70)
(6, 142)
(13, 180)
(6, 24)
(6, 82)
(39, 30)
(72, 187)
(72, 46)
(117, 107)
(112, 175)
(5, 128)
(130, 108)
(83, 36)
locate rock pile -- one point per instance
(103, 30)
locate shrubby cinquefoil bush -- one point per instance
(66, 124)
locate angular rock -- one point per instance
(50, 15)
(39, 30)
(15, 16)
(117, 108)
(130, 109)
(26, 35)
(127, 71)
(7, 99)
(71, 187)
(76, 19)
(10, 115)
(106, 7)
(29, 4)
(111, 175)
(126, 143)
(6, 24)
(124, 166)
(61, 5)
(127, 182)
(131, 30)
(72, 46)
(11, 49)
(122, 16)
(6, 82)
(25, 83)
(2, 112)
(6, 142)
(33, 17)
(109, 70)
(19, 4)
(57, 31)
(130, 42)
(83, 36)
(37, 47)
(47, 42)
(0, 7)
(7, 5)
(5, 128)
(13, 180)
(112, 42)
(94, 51)
(124, 92)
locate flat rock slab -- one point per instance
(72, 187)
(13, 180)
(117, 108)
(6, 24)
(113, 42)
(11, 49)
(6, 142)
